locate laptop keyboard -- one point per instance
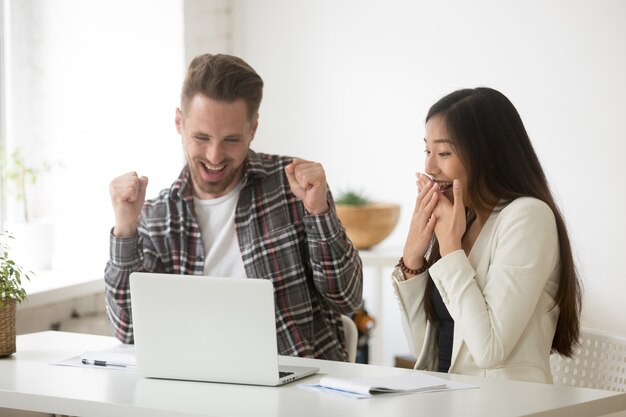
(284, 374)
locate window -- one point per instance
(90, 87)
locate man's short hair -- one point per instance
(223, 78)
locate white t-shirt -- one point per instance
(216, 218)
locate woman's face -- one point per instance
(443, 163)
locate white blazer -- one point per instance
(501, 298)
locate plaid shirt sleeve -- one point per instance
(315, 270)
(167, 240)
(125, 257)
(337, 269)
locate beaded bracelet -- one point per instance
(408, 270)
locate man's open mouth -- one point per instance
(213, 169)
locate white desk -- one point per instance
(28, 382)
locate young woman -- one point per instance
(487, 283)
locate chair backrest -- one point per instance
(352, 335)
(598, 362)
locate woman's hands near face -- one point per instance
(450, 220)
(422, 222)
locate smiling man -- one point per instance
(236, 213)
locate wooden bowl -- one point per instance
(370, 224)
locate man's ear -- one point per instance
(179, 121)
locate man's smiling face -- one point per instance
(216, 137)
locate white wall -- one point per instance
(348, 83)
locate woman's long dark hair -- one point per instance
(501, 165)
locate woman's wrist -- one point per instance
(410, 271)
(412, 260)
(448, 249)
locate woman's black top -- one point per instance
(445, 330)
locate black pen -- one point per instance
(102, 363)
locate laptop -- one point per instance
(211, 329)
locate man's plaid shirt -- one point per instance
(316, 272)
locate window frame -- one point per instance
(3, 28)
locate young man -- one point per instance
(233, 212)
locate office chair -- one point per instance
(352, 335)
(598, 362)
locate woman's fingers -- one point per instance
(459, 206)
(423, 222)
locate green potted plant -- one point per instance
(367, 222)
(11, 293)
(352, 198)
(33, 239)
(21, 175)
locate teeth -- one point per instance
(211, 167)
(444, 186)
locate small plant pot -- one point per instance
(7, 328)
(370, 224)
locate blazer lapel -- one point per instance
(479, 259)
(479, 255)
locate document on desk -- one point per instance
(119, 357)
(402, 384)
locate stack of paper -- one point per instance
(400, 384)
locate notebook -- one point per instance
(210, 329)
